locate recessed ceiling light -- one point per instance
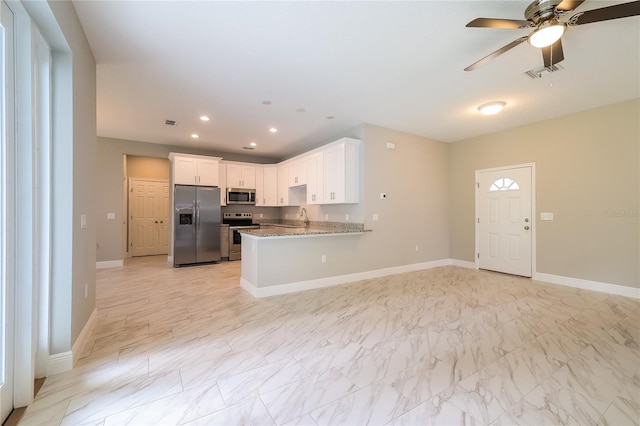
(266, 102)
(273, 130)
(331, 117)
(170, 122)
(248, 148)
(204, 118)
(253, 144)
(195, 135)
(301, 110)
(492, 108)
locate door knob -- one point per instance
(526, 220)
(526, 228)
(156, 221)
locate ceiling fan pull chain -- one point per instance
(551, 69)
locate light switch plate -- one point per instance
(83, 221)
(375, 217)
(111, 216)
(546, 216)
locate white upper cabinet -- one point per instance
(270, 186)
(195, 170)
(223, 184)
(315, 178)
(286, 196)
(298, 173)
(341, 166)
(241, 176)
(266, 186)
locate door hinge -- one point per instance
(478, 220)
(478, 185)
(478, 255)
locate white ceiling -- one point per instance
(394, 64)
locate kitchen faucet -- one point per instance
(303, 213)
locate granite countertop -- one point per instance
(298, 229)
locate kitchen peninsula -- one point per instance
(278, 259)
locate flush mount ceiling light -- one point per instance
(547, 33)
(204, 118)
(195, 135)
(492, 108)
(266, 102)
(273, 130)
(253, 144)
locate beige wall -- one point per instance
(148, 167)
(587, 174)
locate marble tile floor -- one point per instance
(445, 346)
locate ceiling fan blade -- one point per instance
(498, 23)
(568, 5)
(616, 11)
(553, 54)
(495, 54)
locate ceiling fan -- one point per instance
(546, 17)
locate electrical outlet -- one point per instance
(417, 247)
(286, 215)
(326, 216)
(261, 215)
(347, 217)
(375, 217)
(324, 258)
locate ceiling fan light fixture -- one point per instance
(547, 34)
(492, 108)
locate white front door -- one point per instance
(149, 216)
(504, 220)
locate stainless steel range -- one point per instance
(237, 222)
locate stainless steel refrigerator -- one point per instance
(196, 237)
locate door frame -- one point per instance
(533, 211)
(130, 182)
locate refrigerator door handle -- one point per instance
(194, 218)
(198, 215)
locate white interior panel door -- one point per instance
(505, 221)
(162, 213)
(149, 217)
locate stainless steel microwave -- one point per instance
(241, 196)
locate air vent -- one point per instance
(248, 148)
(541, 72)
(170, 122)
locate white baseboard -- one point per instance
(109, 264)
(170, 259)
(463, 264)
(275, 290)
(619, 290)
(59, 363)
